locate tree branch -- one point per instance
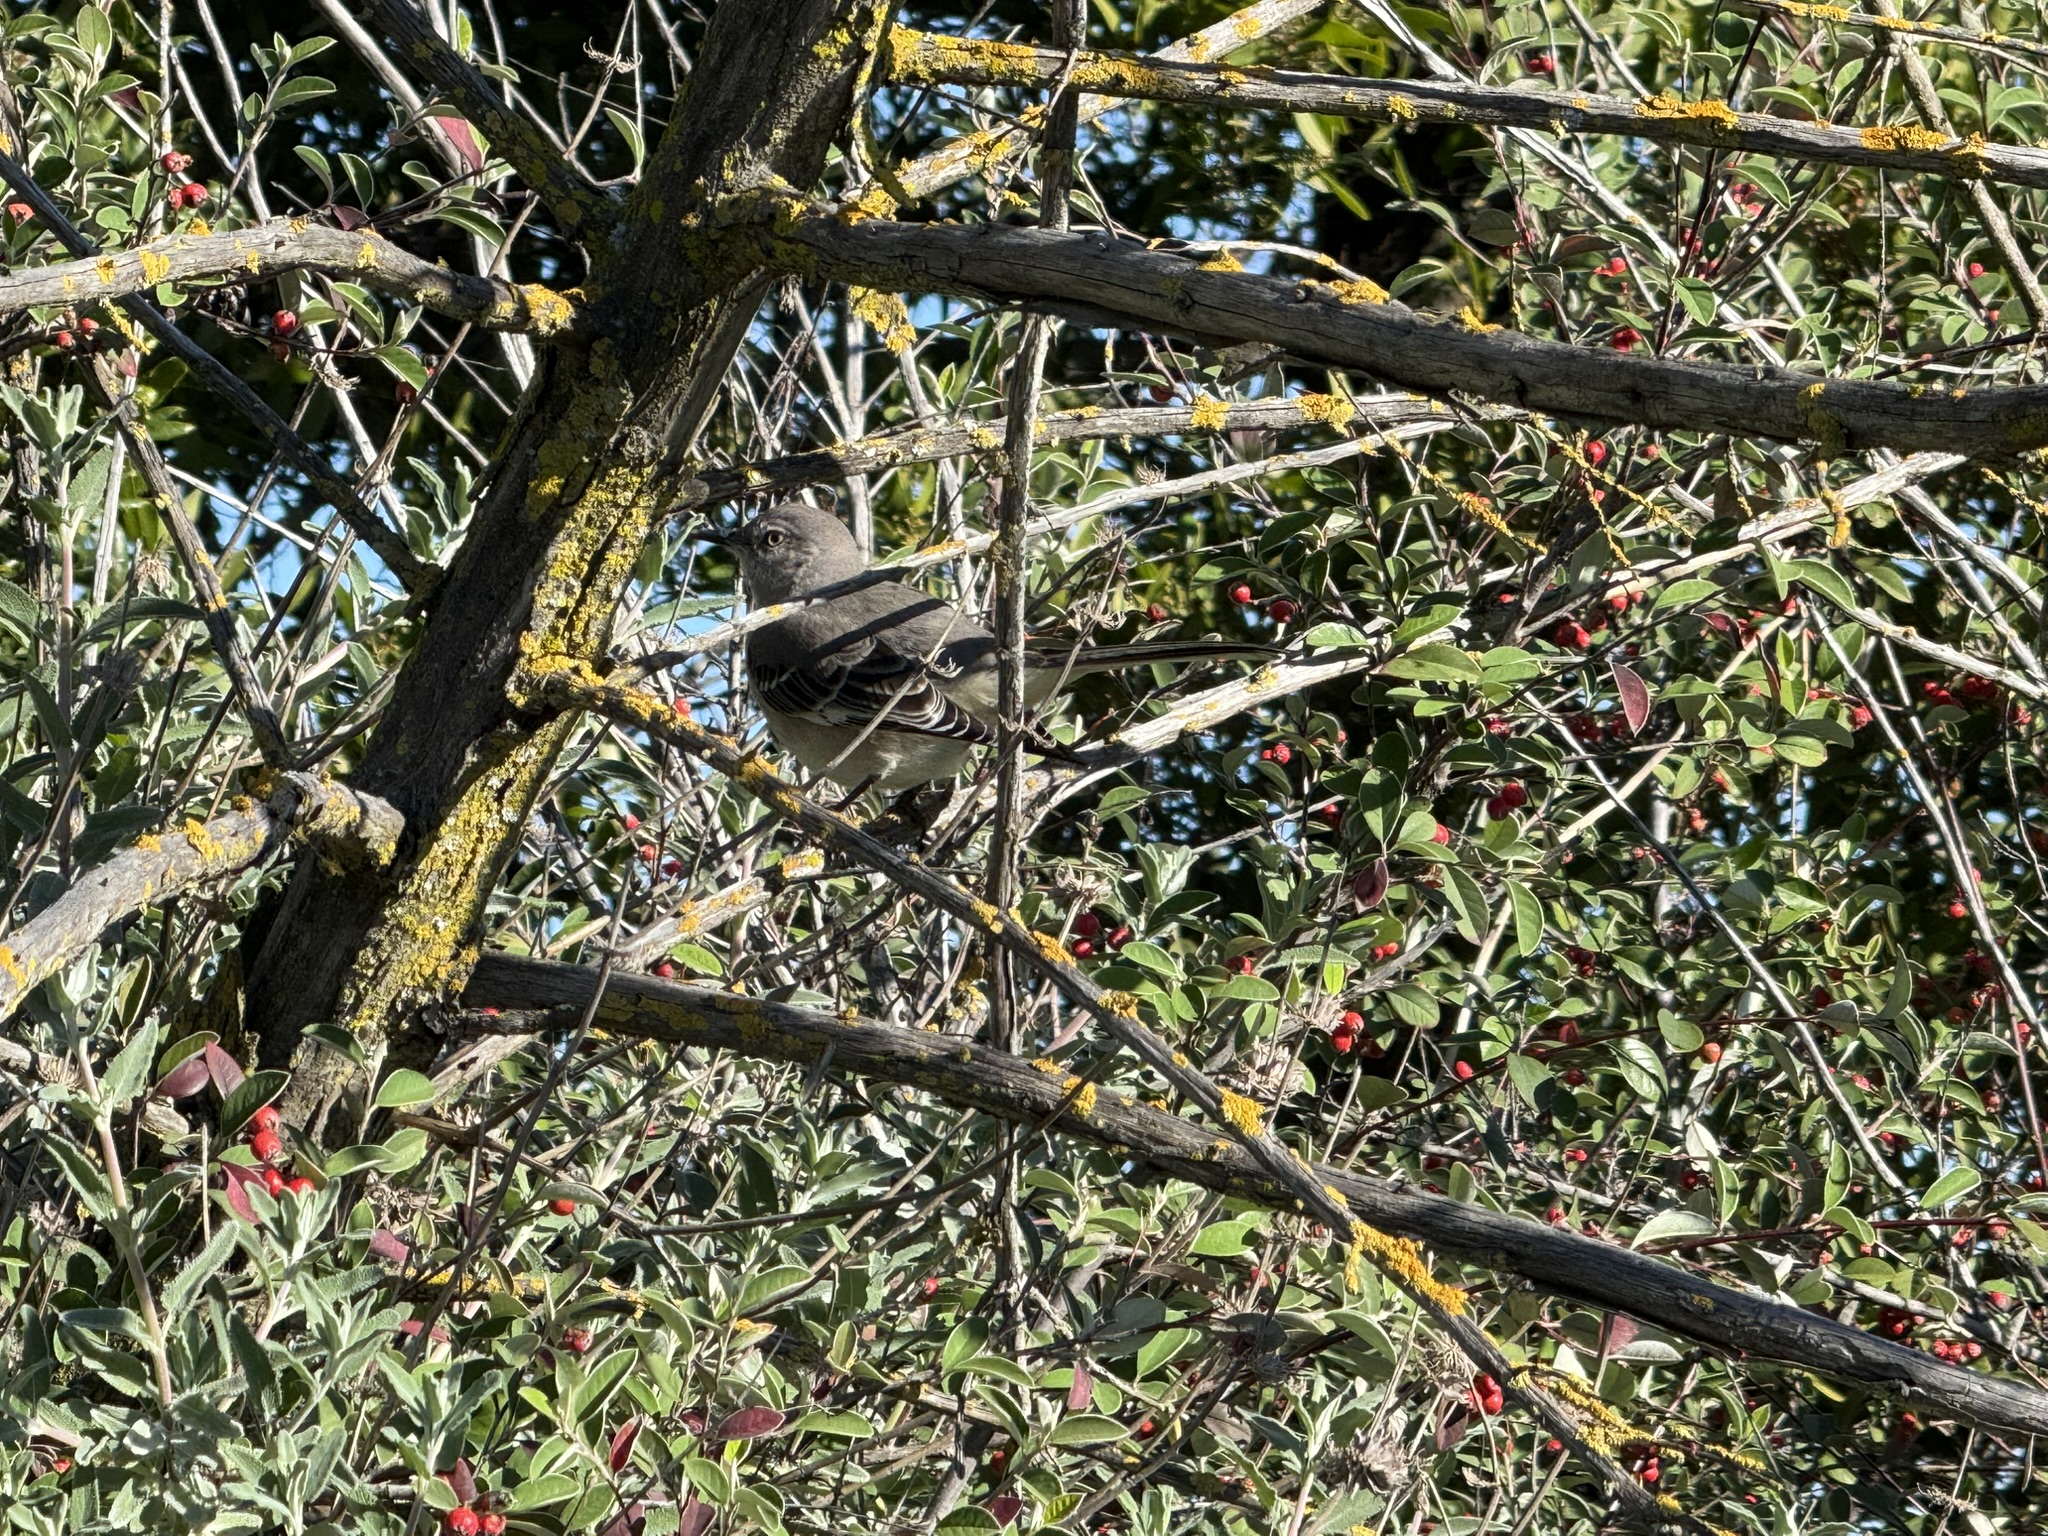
(924, 58)
(352, 828)
(1115, 282)
(1559, 1262)
(290, 245)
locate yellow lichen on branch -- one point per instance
(1402, 1259)
(1207, 414)
(1889, 140)
(1665, 105)
(1243, 1113)
(888, 316)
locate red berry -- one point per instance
(1576, 1154)
(1343, 1038)
(1353, 1019)
(494, 1524)
(1282, 753)
(265, 1119)
(1572, 635)
(563, 1206)
(462, 1522)
(1542, 64)
(266, 1145)
(1119, 937)
(284, 322)
(404, 393)
(1280, 610)
(1441, 835)
(631, 822)
(1957, 910)
(173, 162)
(273, 1181)
(1513, 795)
(1625, 339)
(1156, 614)
(576, 1340)
(66, 340)
(1498, 809)
(1463, 1071)
(1575, 1078)
(666, 971)
(1147, 1429)
(1555, 1215)
(1241, 594)
(1083, 948)
(931, 1285)
(300, 1186)
(1976, 269)
(1710, 1052)
(1087, 925)
(193, 194)
(1596, 453)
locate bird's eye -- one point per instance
(773, 537)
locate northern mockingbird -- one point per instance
(886, 686)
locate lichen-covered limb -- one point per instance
(697, 916)
(409, 35)
(343, 824)
(1122, 282)
(978, 153)
(924, 58)
(1557, 1261)
(289, 245)
(922, 444)
(415, 574)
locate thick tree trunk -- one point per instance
(553, 543)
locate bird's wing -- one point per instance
(851, 663)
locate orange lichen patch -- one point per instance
(1886, 140)
(203, 841)
(106, 269)
(1083, 1094)
(1360, 290)
(1243, 1113)
(1122, 1004)
(1223, 261)
(1400, 108)
(1050, 948)
(871, 204)
(1206, 414)
(1401, 1259)
(12, 967)
(888, 315)
(549, 311)
(1969, 155)
(149, 842)
(155, 266)
(1665, 105)
(1048, 1066)
(1473, 321)
(1330, 410)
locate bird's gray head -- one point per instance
(790, 550)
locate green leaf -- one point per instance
(844, 1426)
(128, 1073)
(1957, 1181)
(405, 364)
(250, 1095)
(184, 1285)
(1528, 917)
(1086, 1429)
(403, 1089)
(1221, 1240)
(1528, 1075)
(1434, 664)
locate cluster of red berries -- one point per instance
(1344, 1034)
(82, 337)
(1957, 1353)
(1089, 927)
(1386, 951)
(1510, 798)
(473, 1522)
(268, 1146)
(1748, 197)
(1971, 693)
(1279, 753)
(1581, 959)
(1613, 267)
(1499, 725)
(1541, 64)
(1895, 1323)
(1647, 1467)
(191, 195)
(1280, 609)
(1486, 1395)
(1625, 338)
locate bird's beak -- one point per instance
(725, 538)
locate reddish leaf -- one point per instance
(634, 1519)
(239, 1180)
(1082, 1392)
(1578, 245)
(693, 1421)
(1369, 885)
(130, 97)
(186, 1078)
(386, 1245)
(1618, 1332)
(694, 1519)
(463, 139)
(1719, 622)
(225, 1071)
(1451, 1427)
(1635, 697)
(461, 1480)
(622, 1443)
(749, 1424)
(411, 1329)
(1005, 1507)
(348, 217)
